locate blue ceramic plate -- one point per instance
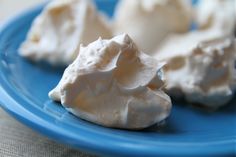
(23, 94)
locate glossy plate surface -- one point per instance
(23, 93)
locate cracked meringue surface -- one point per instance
(113, 84)
(56, 34)
(203, 74)
(148, 22)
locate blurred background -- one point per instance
(10, 8)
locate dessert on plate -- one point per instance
(56, 34)
(148, 22)
(120, 81)
(203, 73)
(113, 83)
(200, 63)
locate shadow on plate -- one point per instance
(45, 66)
(230, 107)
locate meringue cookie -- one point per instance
(216, 14)
(183, 44)
(62, 26)
(200, 57)
(204, 74)
(113, 84)
(148, 22)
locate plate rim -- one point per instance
(13, 106)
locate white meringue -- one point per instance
(203, 74)
(148, 22)
(216, 14)
(112, 83)
(197, 61)
(58, 31)
(183, 44)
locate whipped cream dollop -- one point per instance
(148, 22)
(56, 34)
(112, 83)
(203, 74)
(218, 14)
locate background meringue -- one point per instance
(58, 31)
(148, 22)
(205, 74)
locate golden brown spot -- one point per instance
(197, 51)
(217, 82)
(35, 38)
(152, 86)
(58, 9)
(175, 63)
